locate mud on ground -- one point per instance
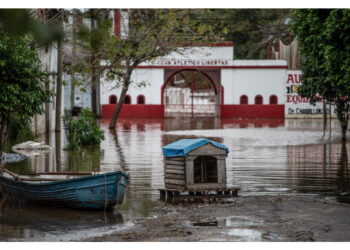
(260, 218)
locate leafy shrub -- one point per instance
(81, 130)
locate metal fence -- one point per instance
(191, 110)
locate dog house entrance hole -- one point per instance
(205, 169)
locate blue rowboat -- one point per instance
(100, 191)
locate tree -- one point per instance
(21, 82)
(251, 30)
(59, 75)
(20, 22)
(89, 47)
(151, 34)
(324, 36)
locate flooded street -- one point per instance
(267, 157)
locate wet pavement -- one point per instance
(268, 157)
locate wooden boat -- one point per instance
(100, 191)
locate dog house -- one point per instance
(195, 164)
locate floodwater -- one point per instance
(273, 157)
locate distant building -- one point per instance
(206, 80)
(48, 56)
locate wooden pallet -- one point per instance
(197, 195)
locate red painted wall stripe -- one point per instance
(252, 111)
(134, 111)
(226, 111)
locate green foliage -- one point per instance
(324, 36)
(308, 25)
(21, 83)
(324, 47)
(19, 130)
(81, 130)
(251, 30)
(20, 22)
(92, 40)
(151, 33)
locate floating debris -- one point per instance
(30, 145)
(31, 148)
(12, 158)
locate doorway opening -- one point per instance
(205, 169)
(190, 93)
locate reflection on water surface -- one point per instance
(266, 157)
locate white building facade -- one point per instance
(204, 80)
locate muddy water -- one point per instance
(274, 157)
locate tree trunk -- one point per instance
(343, 159)
(59, 80)
(93, 95)
(324, 118)
(93, 65)
(58, 151)
(119, 106)
(343, 117)
(98, 97)
(47, 112)
(330, 120)
(4, 125)
(344, 128)
(74, 55)
(2, 134)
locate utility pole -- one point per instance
(59, 75)
(94, 74)
(74, 56)
(330, 120)
(324, 118)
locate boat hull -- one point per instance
(102, 191)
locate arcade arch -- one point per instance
(190, 93)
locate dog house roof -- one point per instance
(184, 146)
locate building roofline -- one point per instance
(214, 67)
(217, 44)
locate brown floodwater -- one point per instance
(267, 157)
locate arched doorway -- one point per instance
(190, 93)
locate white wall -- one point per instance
(227, 83)
(198, 53)
(247, 77)
(252, 82)
(152, 92)
(210, 53)
(296, 106)
(48, 58)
